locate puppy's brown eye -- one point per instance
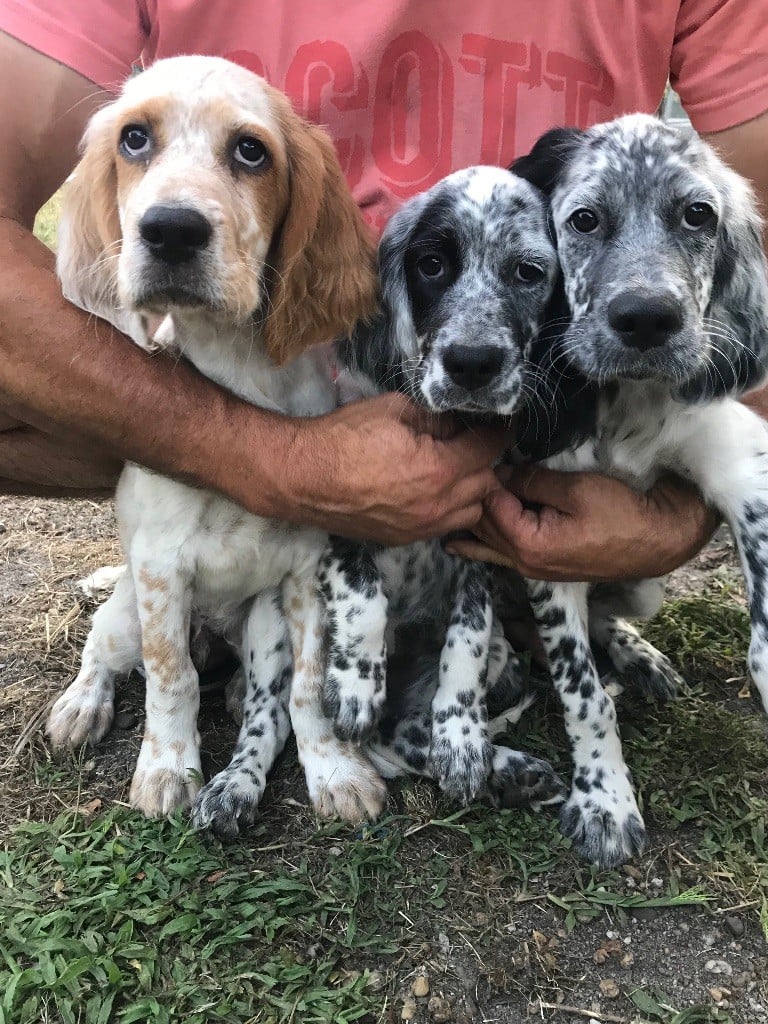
(584, 221)
(135, 141)
(431, 267)
(251, 152)
(698, 215)
(528, 273)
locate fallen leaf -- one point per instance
(609, 988)
(91, 808)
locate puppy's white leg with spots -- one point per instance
(729, 461)
(356, 623)
(601, 816)
(461, 753)
(168, 770)
(230, 800)
(508, 695)
(341, 780)
(234, 695)
(636, 661)
(84, 712)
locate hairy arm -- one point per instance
(372, 470)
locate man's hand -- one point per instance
(588, 527)
(385, 470)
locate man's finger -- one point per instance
(541, 486)
(421, 421)
(506, 520)
(461, 520)
(479, 552)
(476, 448)
(472, 489)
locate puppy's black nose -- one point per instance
(645, 321)
(473, 366)
(174, 234)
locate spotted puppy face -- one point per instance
(466, 271)
(200, 190)
(659, 243)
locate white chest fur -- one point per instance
(225, 554)
(641, 432)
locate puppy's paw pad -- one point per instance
(158, 792)
(76, 719)
(354, 702)
(228, 804)
(647, 670)
(461, 767)
(357, 719)
(345, 785)
(603, 836)
(519, 780)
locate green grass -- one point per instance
(134, 921)
(131, 920)
(122, 919)
(47, 220)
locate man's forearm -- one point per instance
(60, 368)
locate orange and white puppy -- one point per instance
(202, 202)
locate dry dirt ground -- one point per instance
(478, 916)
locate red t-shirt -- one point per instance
(413, 89)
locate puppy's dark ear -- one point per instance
(368, 353)
(377, 349)
(737, 316)
(549, 156)
(561, 407)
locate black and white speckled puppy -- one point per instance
(469, 261)
(467, 270)
(659, 244)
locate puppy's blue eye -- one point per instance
(583, 221)
(135, 140)
(251, 152)
(528, 273)
(431, 267)
(698, 215)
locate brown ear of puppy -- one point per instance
(324, 263)
(89, 226)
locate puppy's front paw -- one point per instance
(645, 669)
(460, 759)
(80, 715)
(343, 783)
(228, 804)
(461, 753)
(520, 780)
(165, 783)
(353, 699)
(605, 825)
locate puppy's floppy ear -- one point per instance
(89, 226)
(544, 164)
(567, 415)
(323, 262)
(737, 316)
(367, 353)
(377, 349)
